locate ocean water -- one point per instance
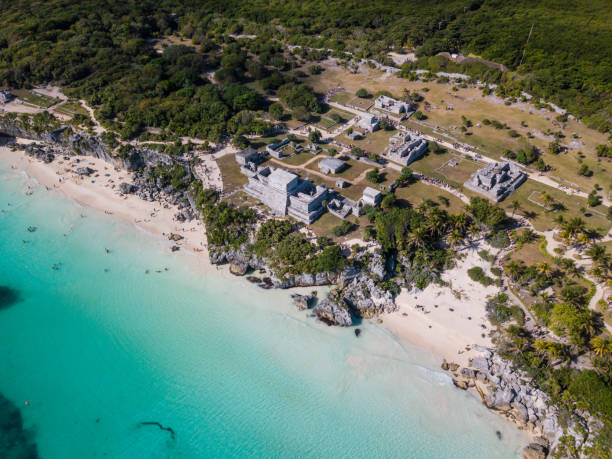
(91, 346)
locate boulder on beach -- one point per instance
(127, 188)
(332, 313)
(460, 384)
(302, 301)
(238, 269)
(534, 451)
(84, 170)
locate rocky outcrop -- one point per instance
(90, 145)
(84, 170)
(14, 127)
(377, 266)
(535, 451)
(302, 301)
(367, 299)
(127, 188)
(238, 269)
(507, 390)
(332, 311)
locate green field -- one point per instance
(374, 142)
(33, 98)
(70, 108)
(542, 218)
(415, 193)
(233, 179)
(299, 159)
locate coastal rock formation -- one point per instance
(302, 301)
(377, 266)
(535, 451)
(127, 188)
(367, 299)
(84, 170)
(509, 391)
(332, 311)
(238, 269)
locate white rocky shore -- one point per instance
(507, 391)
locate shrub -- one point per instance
(477, 274)
(344, 228)
(498, 239)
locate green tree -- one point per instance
(315, 136)
(374, 176)
(276, 111)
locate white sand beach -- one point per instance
(447, 320)
(101, 191)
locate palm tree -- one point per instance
(598, 254)
(559, 219)
(584, 238)
(515, 206)
(573, 227)
(461, 222)
(543, 268)
(548, 200)
(589, 323)
(514, 269)
(474, 229)
(569, 266)
(602, 346)
(597, 273)
(417, 237)
(455, 238)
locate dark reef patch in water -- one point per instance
(8, 297)
(161, 427)
(15, 442)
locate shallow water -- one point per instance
(95, 346)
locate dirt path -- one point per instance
(98, 128)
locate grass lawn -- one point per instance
(354, 192)
(389, 176)
(70, 108)
(431, 163)
(325, 224)
(240, 198)
(342, 97)
(361, 104)
(374, 142)
(325, 123)
(33, 98)
(461, 172)
(233, 179)
(353, 169)
(543, 219)
(418, 191)
(521, 117)
(346, 116)
(529, 254)
(299, 159)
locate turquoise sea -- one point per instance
(91, 346)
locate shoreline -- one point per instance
(433, 328)
(433, 320)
